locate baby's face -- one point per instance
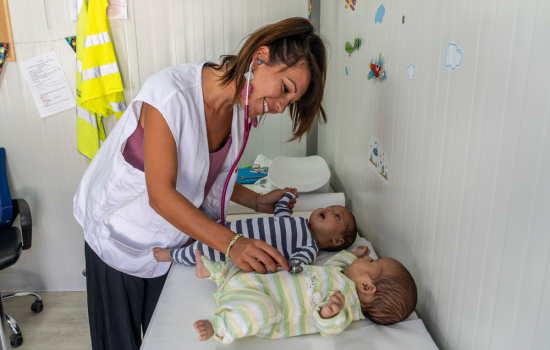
(365, 269)
(330, 221)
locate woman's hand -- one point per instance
(255, 255)
(266, 202)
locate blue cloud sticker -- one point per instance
(410, 71)
(453, 56)
(380, 13)
(346, 71)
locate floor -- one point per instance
(62, 325)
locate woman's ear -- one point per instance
(367, 288)
(262, 54)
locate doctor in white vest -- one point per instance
(186, 112)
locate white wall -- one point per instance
(44, 166)
(467, 209)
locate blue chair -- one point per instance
(12, 242)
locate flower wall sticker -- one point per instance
(410, 71)
(380, 13)
(453, 56)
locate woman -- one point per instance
(158, 178)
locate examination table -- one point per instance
(186, 299)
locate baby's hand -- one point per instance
(361, 251)
(334, 306)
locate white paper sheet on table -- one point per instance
(186, 299)
(48, 84)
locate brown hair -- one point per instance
(395, 297)
(349, 236)
(291, 41)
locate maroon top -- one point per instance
(133, 154)
(216, 162)
(133, 151)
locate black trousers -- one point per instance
(119, 305)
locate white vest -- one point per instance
(112, 204)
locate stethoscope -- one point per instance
(295, 265)
(247, 126)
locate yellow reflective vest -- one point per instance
(98, 83)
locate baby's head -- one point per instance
(386, 289)
(334, 227)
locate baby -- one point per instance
(318, 300)
(331, 229)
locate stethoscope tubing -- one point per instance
(247, 126)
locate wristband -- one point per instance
(231, 244)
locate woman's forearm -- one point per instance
(244, 196)
(181, 213)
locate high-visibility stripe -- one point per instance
(87, 116)
(95, 59)
(118, 106)
(99, 71)
(97, 39)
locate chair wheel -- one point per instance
(16, 340)
(37, 306)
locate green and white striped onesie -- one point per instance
(281, 304)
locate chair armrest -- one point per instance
(20, 206)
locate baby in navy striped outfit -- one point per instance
(332, 228)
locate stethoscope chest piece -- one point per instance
(295, 266)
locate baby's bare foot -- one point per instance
(162, 254)
(204, 328)
(200, 271)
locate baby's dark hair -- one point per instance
(395, 297)
(349, 236)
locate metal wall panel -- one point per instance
(466, 208)
(44, 166)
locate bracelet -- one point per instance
(231, 244)
(257, 196)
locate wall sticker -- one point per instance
(453, 56)
(351, 49)
(376, 69)
(350, 4)
(378, 160)
(380, 13)
(410, 71)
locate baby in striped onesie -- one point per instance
(331, 229)
(325, 300)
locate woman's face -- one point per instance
(273, 88)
